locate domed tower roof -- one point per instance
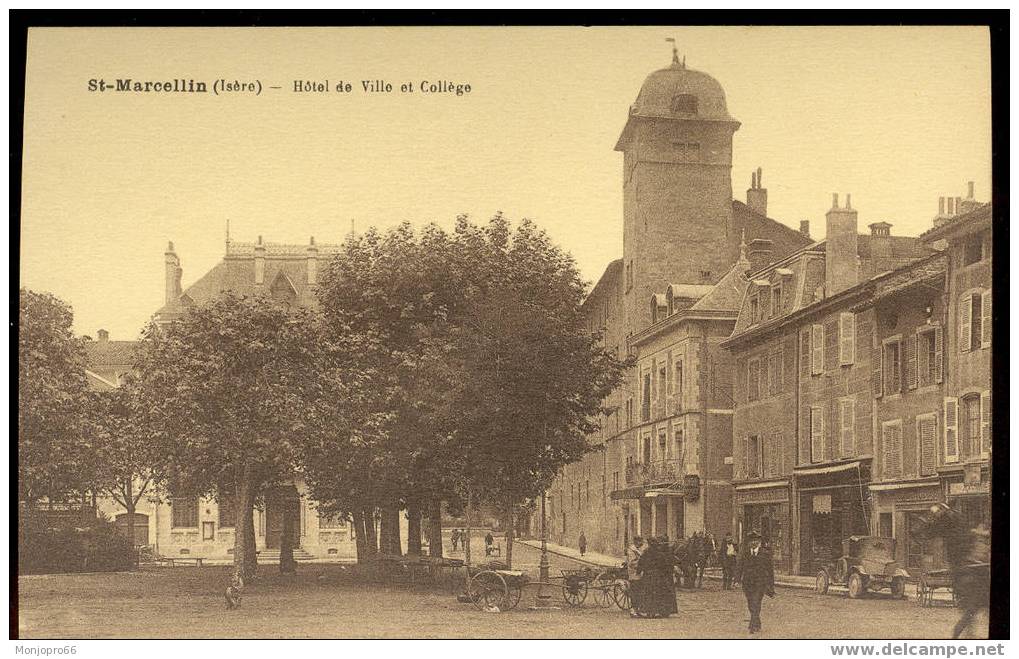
(677, 93)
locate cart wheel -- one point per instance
(515, 592)
(857, 586)
(576, 593)
(603, 590)
(488, 589)
(621, 594)
(821, 582)
(898, 588)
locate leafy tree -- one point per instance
(52, 400)
(120, 447)
(228, 393)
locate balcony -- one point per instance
(656, 472)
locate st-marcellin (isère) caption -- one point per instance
(226, 86)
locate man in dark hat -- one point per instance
(757, 574)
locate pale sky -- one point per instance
(895, 116)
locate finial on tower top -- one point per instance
(228, 231)
(675, 53)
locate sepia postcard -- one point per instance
(508, 332)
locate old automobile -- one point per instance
(867, 564)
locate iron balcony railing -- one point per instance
(658, 471)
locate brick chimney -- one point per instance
(805, 228)
(259, 262)
(103, 335)
(969, 203)
(757, 197)
(880, 240)
(759, 253)
(841, 259)
(173, 274)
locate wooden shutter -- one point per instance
(805, 366)
(803, 451)
(877, 357)
(816, 434)
(951, 429)
(985, 423)
(912, 347)
(965, 322)
(816, 349)
(985, 319)
(847, 338)
(891, 440)
(926, 430)
(923, 365)
(939, 355)
(847, 418)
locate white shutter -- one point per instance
(816, 435)
(816, 349)
(985, 423)
(847, 338)
(985, 319)
(965, 322)
(911, 346)
(847, 414)
(951, 430)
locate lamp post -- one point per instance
(543, 563)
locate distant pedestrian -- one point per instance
(582, 543)
(454, 536)
(727, 558)
(757, 574)
(636, 590)
(489, 541)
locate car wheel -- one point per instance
(822, 582)
(898, 588)
(857, 586)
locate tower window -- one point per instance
(684, 104)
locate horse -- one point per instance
(967, 551)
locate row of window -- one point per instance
(768, 303)
(907, 363)
(761, 456)
(766, 374)
(184, 514)
(660, 385)
(829, 345)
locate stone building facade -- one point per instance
(662, 462)
(176, 525)
(964, 231)
(843, 360)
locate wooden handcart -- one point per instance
(493, 587)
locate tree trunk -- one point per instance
(129, 504)
(287, 563)
(389, 533)
(435, 528)
(371, 531)
(243, 526)
(251, 562)
(467, 531)
(413, 529)
(510, 532)
(360, 541)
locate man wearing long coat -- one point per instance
(757, 574)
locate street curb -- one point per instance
(707, 575)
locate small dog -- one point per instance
(234, 592)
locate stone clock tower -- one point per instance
(677, 187)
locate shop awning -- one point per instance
(828, 469)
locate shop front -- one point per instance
(899, 512)
(832, 505)
(967, 490)
(763, 507)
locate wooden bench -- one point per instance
(172, 561)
